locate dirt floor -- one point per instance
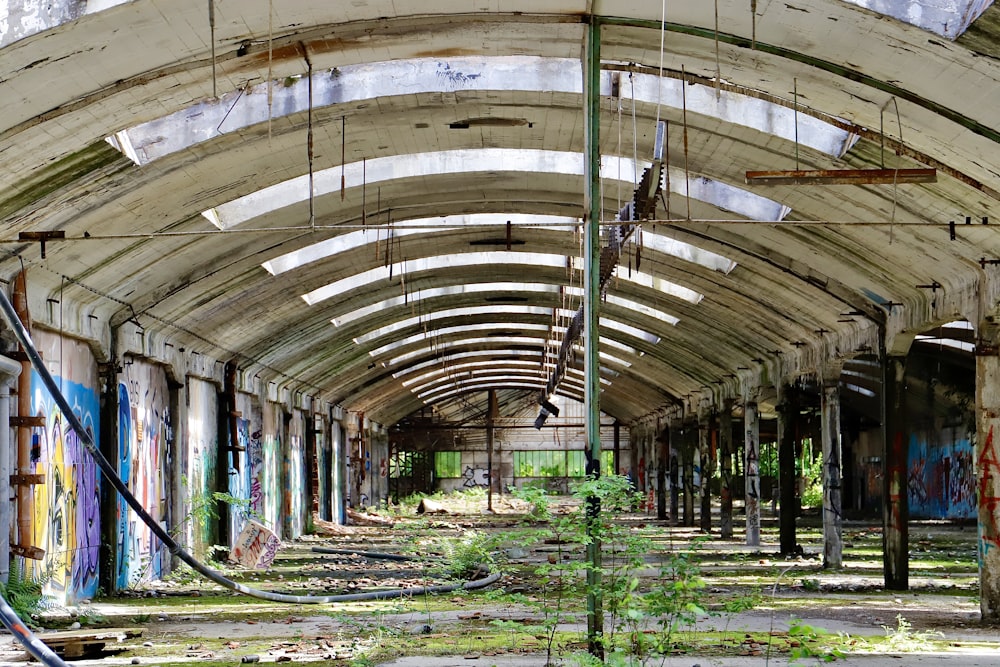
(737, 606)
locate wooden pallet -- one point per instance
(88, 643)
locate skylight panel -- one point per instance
(949, 19)
(437, 347)
(431, 398)
(360, 238)
(467, 161)
(446, 360)
(630, 330)
(948, 342)
(462, 370)
(740, 109)
(349, 84)
(448, 331)
(470, 311)
(435, 292)
(629, 304)
(686, 251)
(431, 264)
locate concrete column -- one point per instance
(675, 483)
(788, 415)
(833, 545)
(751, 471)
(726, 459)
(988, 474)
(705, 436)
(687, 472)
(662, 462)
(895, 508)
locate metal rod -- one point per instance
(211, 29)
(795, 105)
(684, 120)
(592, 296)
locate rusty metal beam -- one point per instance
(841, 177)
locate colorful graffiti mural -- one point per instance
(240, 480)
(144, 432)
(941, 480)
(201, 465)
(66, 522)
(295, 510)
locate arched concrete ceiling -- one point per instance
(445, 119)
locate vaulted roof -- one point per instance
(178, 153)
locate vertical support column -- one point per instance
(726, 460)
(833, 544)
(492, 408)
(617, 451)
(706, 435)
(688, 452)
(109, 499)
(675, 477)
(788, 416)
(25, 494)
(662, 462)
(751, 467)
(988, 473)
(591, 307)
(895, 508)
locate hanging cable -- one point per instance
(659, 80)
(895, 173)
(684, 112)
(87, 440)
(211, 31)
(718, 67)
(309, 140)
(343, 157)
(270, 65)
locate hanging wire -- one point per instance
(795, 108)
(635, 133)
(270, 65)
(309, 144)
(718, 67)
(211, 30)
(684, 116)
(659, 80)
(895, 172)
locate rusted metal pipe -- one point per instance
(25, 497)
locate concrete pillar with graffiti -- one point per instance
(894, 488)
(726, 469)
(833, 544)
(751, 468)
(988, 469)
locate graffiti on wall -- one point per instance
(66, 521)
(475, 477)
(295, 487)
(941, 480)
(143, 432)
(202, 447)
(240, 481)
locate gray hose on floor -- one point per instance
(32, 643)
(24, 338)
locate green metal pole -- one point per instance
(592, 299)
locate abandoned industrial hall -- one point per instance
(297, 259)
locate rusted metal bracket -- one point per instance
(27, 422)
(42, 237)
(34, 553)
(841, 177)
(30, 479)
